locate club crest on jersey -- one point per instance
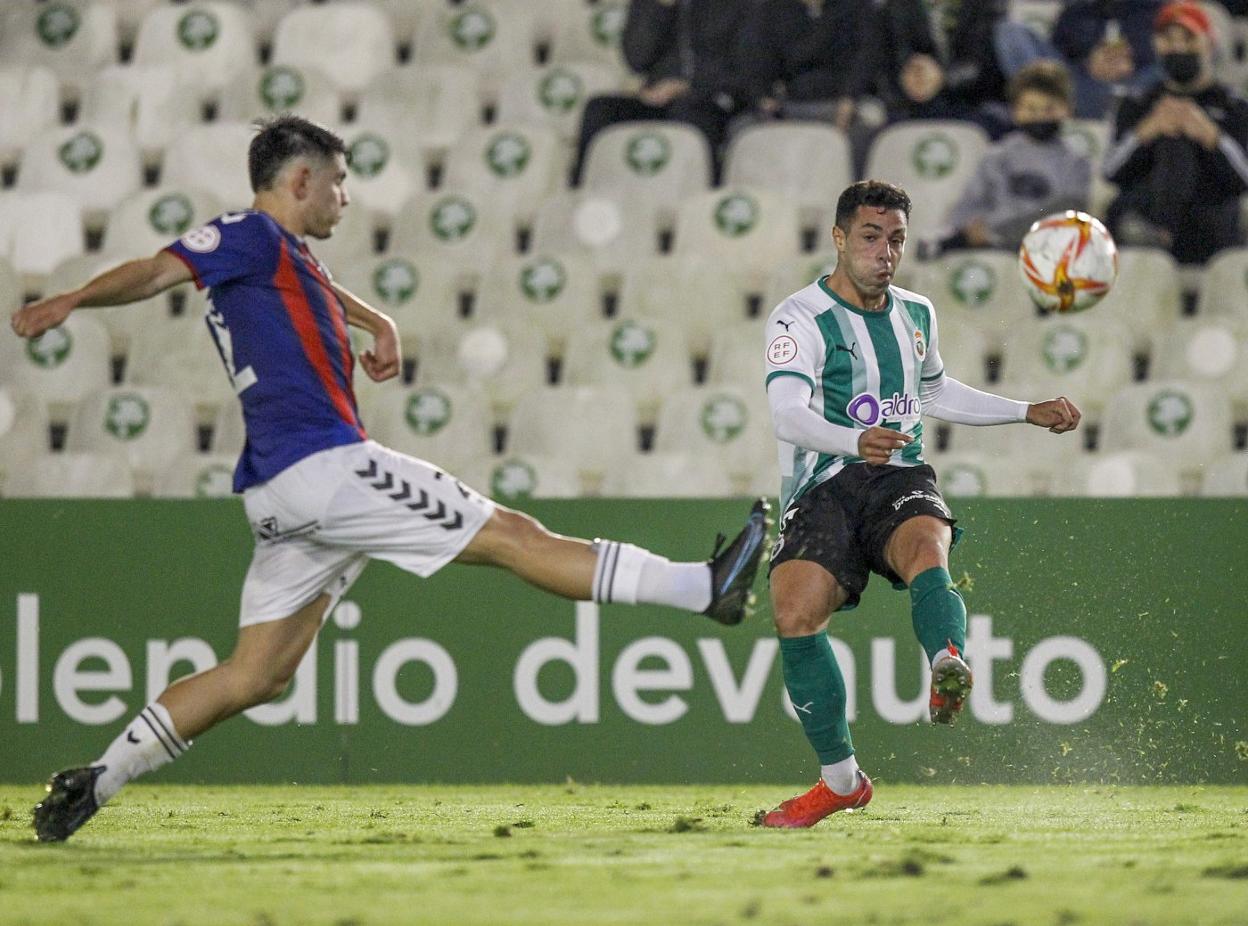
(920, 345)
(782, 349)
(869, 411)
(202, 240)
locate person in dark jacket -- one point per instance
(1108, 46)
(1179, 151)
(685, 51)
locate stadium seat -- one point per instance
(807, 162)
(196, 475)
(461, 228)
(554, 97)
(98, 166)
(517, 477)
(129, 15)
(212, 158)
(1169, 417)
(228, 431)
(796, 274)
(1224, 284)
(700, 294)
(932, 160)
(592, 34)
(590, 426)
(37, 232)
(445, 425)
(979, 475)
(151, 219)
(750, 230)
(149, 428)
(61, 366)
(428, 106)
(554, 294)
(73, 475)
(350, 42)
(24, 433)
(380, 177)
(736, 356)
(1083, 357)
(452, 356)
(1226, 476)
(206, 42)
(651, 166)
(406, 16)
(983, 289)
(254, 93)
(648, 356)
(604, 229)
(420, 295)
(31, 106)
(1123, 474)
(515, 167)
(354, 239)
(1212, 350)
(123, 322)
(964, 349)
(666, 475)
(1147, 294)
(1041, 457)
(1090, 138)
(724, 427)
(151, 103)
(497, 40)
(179, 355)
(11, 291)
(75, 38)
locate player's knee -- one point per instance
(798, 622)
(263, 686)
(506, 537)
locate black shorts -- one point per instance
(844, 524)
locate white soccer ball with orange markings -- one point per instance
(1068, 262)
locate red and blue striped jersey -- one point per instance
(281, 331)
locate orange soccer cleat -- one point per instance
(820, 801)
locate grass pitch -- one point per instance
(577, 854)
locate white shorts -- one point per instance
(318, 522)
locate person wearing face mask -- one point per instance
(1179, 151)
(1027, 174)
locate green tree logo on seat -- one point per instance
(428, 411)
(172, 214)
(508, 154)
(935, 157)
(1170, 413)
(396, 281)
(452, 218)
(647, 154)
(723, 418)
(281, 88)
(472, 30)
(542, 280)
(559, 91)
(963, 480)
(198, 30)
(513, 479)
(57, 25)
(215, 481)
(1080, 140)
(127, 416)
(973, 283)
(607, 24)
(81, 153)
(632, 344)
(368, 155)
(1065, 349)
(736, 215)
(51, 348)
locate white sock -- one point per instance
(630, 575)
(147, 743)
(941, 655)
(841, 777)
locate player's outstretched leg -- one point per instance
(608, 571)
(260, 668)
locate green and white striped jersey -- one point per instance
(865, 369)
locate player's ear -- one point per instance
(301, 181)
(838, 237)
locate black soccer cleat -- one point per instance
(70, 803)
(734, 567)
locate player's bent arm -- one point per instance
(384, 360)
(949, 400)
(132, 281)
(795, 423)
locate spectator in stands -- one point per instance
(951, 62)
(1026, 175)
(1108, 46)
(1178, 154)
(685, 51)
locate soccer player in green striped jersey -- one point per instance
(853, 363)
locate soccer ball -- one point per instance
(1068, 262)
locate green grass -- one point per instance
(594, 854)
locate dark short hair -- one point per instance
(282, 138)
(875, 193)
(1045, 76)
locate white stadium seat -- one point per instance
(354, 239)
(380, 176)
(796, 274)
(1090, 138)
(419, 294)
(130, 15)
(554, 96)
(11, 294)
(700, 294)
(73, 475)
(23, 431)
(652, 166)
(979, 475)
(1147, 294)
(463, 228)
(75, 38)
(808, 162)
(350, 42)
(206, 42)
(516, 477)
(98, 166)
(149, 428)
(516, 167)
(152, 103)
(591, 426)
(495, 40)
(1226, 476)
(196, 475)
(31, 106)
(1083, 357)
(61, 366)
(1042, 457)
(151, 219)
(982, 287)
(667, 475)
(1124, 474)
(458, 356)
(1211, 350)
(445, 425)
(228, 431)
(592, 34)
(212, 158)
(556, 295)
(428, 106)
(649, 357)
(253, 93)
(723, 426)
(932, 160)
(608, 230)
(737, 356)
(964, 349)
(1224, 284)
(1171, 418)
(750, 230)
(180, 355)
(37, 232)
(406, 16)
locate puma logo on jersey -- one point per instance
(851, 350)
(787, 325)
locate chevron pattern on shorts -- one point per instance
(416, 500)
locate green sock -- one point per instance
(937, 611)
(817, 690)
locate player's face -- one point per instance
(327, 196)
(871, 249)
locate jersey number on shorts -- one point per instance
(239, 379)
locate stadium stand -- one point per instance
(195, 475)
(554, 97)
(748, 229)
(62, 366)
(667, 475)
(595, 226)
(725, 427)
(72, 475)
(149, 219)
(420, 295)
(351, 43)
(979, 288)
(978, 475)
(458, 227)
(123, 322)
(152, 103)
(146, 427)
(736, 355)
(97, 165)
(515, 167)
(556, 295)
(24, 432)
(1181, 421)
(517, 477)
(10, 288)
(497, 40)
(651, 166)
(180, 356)
(1147, 295)
(448, 425)
(455, 356)
(591, 426)
(1040, 459)
(381, 178)
(1224, 285)
(1124, 474)
(74, 38)
(205, 43)
(700, 294)
(1074, 355)
(1213, 351)
(592, 34)
(1227, 476)
(428, 106)
(208, 157)
(253, 93)
(31, 106)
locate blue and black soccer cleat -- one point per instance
(734, 567)
(70, 803)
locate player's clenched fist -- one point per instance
(876, 445)
(1058, 415)
(36, 318)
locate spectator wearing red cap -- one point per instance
(1180, 149)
